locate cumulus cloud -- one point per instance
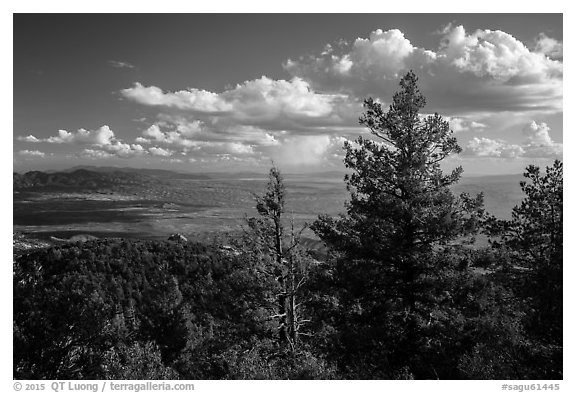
(254, 102)
(125, 150)
(267, 97)
(389, 44)
(103, 138)
(31, 153)
(379, 58)
(142, 140)
(29, 138)
(486, 147)
(469, 72)
(246, 120)
(192, 99)
(549, 47)
(170, 137)
(537, 134)
(158, 151)
(537, 144)
(178, 135)
(459, 124)
(496, 55)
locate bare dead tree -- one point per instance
(270, 232)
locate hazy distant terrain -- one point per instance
(501, 193)
(107, 202)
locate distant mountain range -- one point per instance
(93, 178)
(140, 171)
(78, 179)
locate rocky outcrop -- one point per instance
(177, 237)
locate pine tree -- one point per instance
(533, 239)
(400, 218)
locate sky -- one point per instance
(234, 92)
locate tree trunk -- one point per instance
(282, 334)
(292, 304)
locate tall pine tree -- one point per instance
(401, 217)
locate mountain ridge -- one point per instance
(78, 179)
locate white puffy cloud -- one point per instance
(549, 47)
(496, 55)
(469, 72)
(486, 147)
(459, 124)
(31, 153)
(537, 134)
(125, 150)
(177, 133)
(192, 99)
(253, 102)
(29, 138)
(379, 58)
(174, 136)
(154, 132)
(537, 144)
(158, 151)
(246, 120)
(389, 44)
(243, 120)
(189, 129)
(267, 97)
(254, 119)
(101, 136)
